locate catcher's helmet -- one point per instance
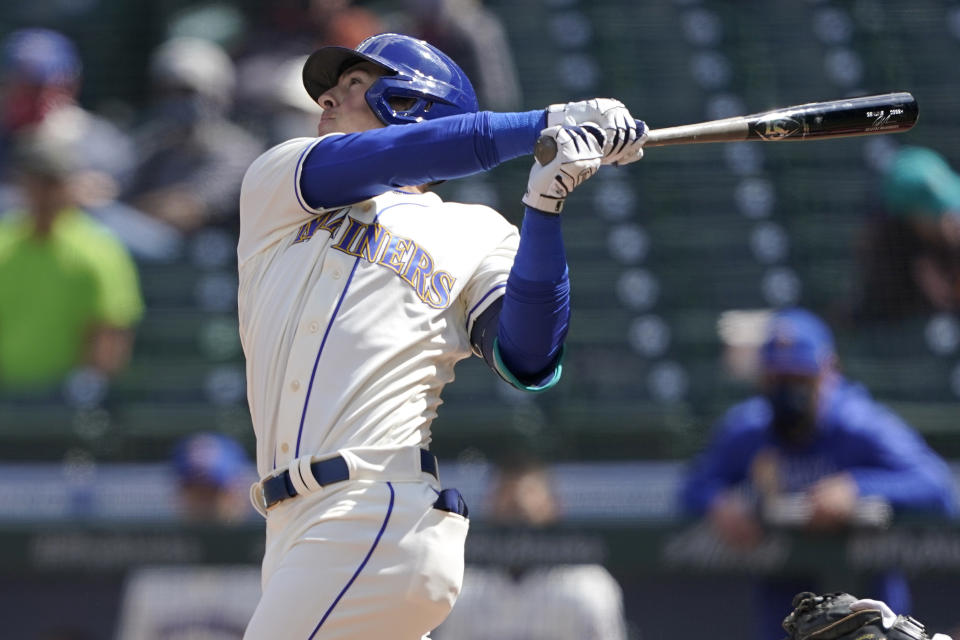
(415, 69)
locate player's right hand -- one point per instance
(624, 135)
(579, 154)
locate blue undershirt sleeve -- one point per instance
(346, 168)
(535, 316)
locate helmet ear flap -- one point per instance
(394, 102)
(428, 102)
(402, 104)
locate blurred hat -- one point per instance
(218, 22)
(40, 55)
(919, 182)
(210, 459)
(797, 342)
(46, 150)
(196, 64)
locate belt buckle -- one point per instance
(257, 499)
(261, 494)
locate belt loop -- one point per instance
(306, 474)
(429, 464)
(293, 470)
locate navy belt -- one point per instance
(279, 487)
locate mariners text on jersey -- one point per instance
(375, 244)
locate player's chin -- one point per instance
(324, 127)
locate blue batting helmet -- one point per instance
(414, 69)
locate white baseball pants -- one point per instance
(368, 558)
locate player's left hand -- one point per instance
(579, 153)
(624, 135)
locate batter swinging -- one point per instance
(359, 292)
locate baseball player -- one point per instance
(359, 292)
(819, 440)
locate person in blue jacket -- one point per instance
(813, 435)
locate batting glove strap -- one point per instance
(579, 154)
(625, 136)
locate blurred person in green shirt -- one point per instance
(69, 290)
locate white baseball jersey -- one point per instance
(352, 318)
(179, 603)
(566, 602)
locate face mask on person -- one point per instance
(794, 410)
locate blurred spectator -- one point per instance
(341, 23)
(208, 602)
(558, 602)
(286, 111)
(40, 78)
(269, 67)
(812, 451)
(69, 291)
(214, 474)
(474, 36)
(910, 254)
(191, 157)
(298, 27)
(218, 21)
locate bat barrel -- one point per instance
(884, 113)
(867, 115)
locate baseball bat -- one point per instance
(868, 115)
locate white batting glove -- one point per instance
(579, 154)
(624, 135)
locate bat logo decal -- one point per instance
(778, 127)
(883, 120)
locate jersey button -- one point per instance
(314, 326)
(336, 274)
(284, 447)
(295, 385)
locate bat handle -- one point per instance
(545, 150)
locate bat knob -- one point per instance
(545, 150)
